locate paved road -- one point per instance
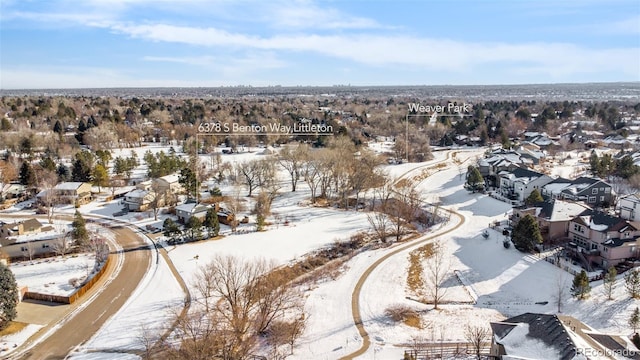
(355, 296)
(87, 322)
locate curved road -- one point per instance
(109, 298)
(355, 296)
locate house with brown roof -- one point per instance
(26, 227)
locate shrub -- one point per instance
(400, 312)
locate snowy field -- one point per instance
(52, 276)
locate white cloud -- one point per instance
(393, 50)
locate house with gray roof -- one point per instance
(518, 184)
(544, 336)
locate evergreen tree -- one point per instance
(526, 234)
(581, 287)
(170, 229)
(632, 283)
(58, 128)
(27, 176)
(634, 320)
(79, 232)
(188, 180)
(99, 176)
(609, 282)
(194, 225)
(8, 296)
(48, 164)
(534, 197)
(474, 179)
(211, 223)
(82, 166)
(63, 173)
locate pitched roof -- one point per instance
(546, 328)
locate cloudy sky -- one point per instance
(140, 43)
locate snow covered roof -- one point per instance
(171, 179)
(559, 210)
(137, 193)
(534, 336)
(68, 185)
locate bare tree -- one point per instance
(47, 180)
(62, 244)
(249, 297)
(30, 249)
(380, 224)
(292, 160)
(437, 271)
(561, 287)
(235, 204)
(250, 172)
(477, 336)
(160, 196)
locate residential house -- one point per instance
(184, 212)
(593, 192)
(553, 217)
(138, 200)
(168, 183)
(498, 161)
(13, 191)
(27, 239)
(518, 184)
(545, 336)
(25, 227)
(77, 193)
(629, 207)
(602, 239)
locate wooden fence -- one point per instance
(73, 297)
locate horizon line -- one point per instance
(320, 86)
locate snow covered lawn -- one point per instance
(52, 276)
(9, 342)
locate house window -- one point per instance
(44, 246)
(594, 246)
(577, 227)
(594, 191)
(601, 198)
(24, 248)
(592, 199)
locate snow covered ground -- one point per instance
(504, 281)
(52, 275)
(9, 342)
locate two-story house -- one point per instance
(553, 217)
(603, 239)
(629, 207)
(77, 193)
(169, 183)
(593, 192)
(518, 184)
(139, 200)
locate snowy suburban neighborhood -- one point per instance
(452, 281)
